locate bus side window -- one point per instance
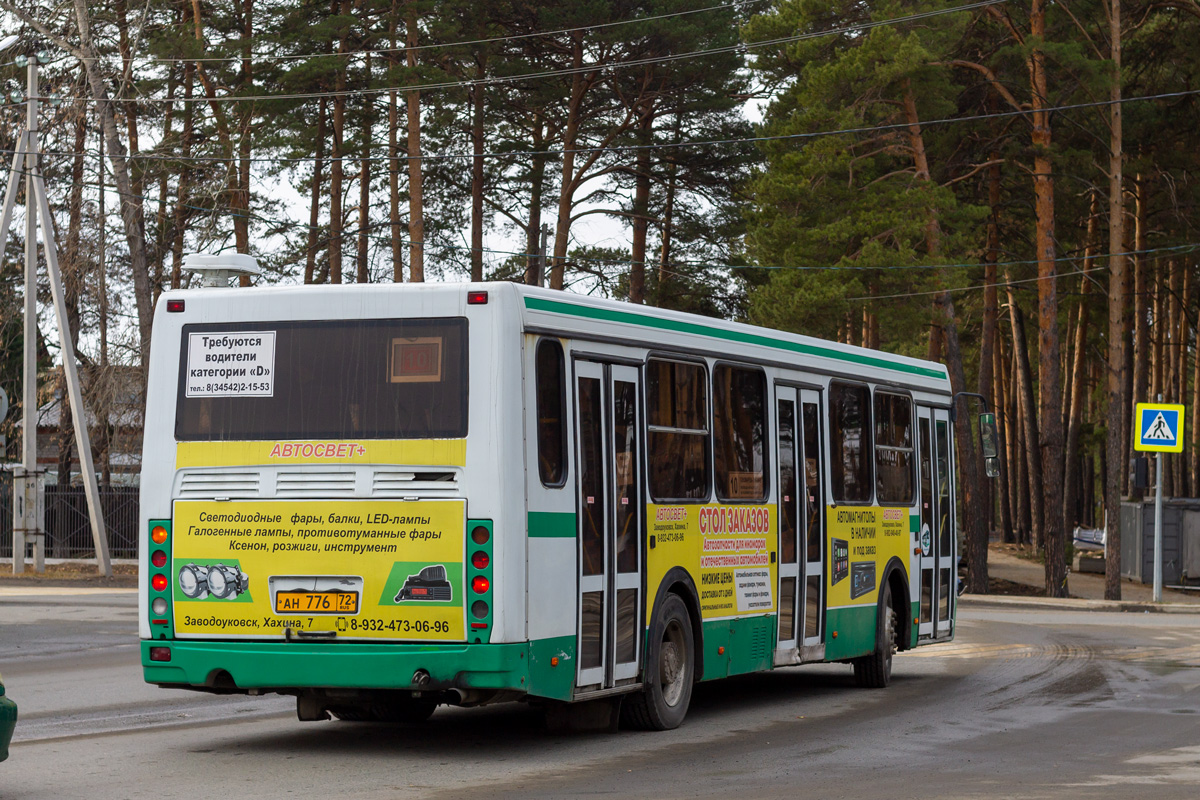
(551, 413)
(894, 479)
(739, 430)
(850, 442)
(677, 421)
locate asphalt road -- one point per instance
(1025, 703)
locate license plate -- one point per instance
(297, 602)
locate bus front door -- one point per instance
(801, 513)
(935, 536)
(609, 502)
(812, 487)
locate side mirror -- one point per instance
(990, 442)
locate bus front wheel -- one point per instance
(670, 671)
(875, 671)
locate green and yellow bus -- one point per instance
(384, 498)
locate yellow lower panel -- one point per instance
(727, 549)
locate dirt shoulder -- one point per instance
(71, 573)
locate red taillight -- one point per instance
(479, 584)
(159, 582)
(480, 560)
(158, 535)
(174, 306)
(158, 558)
(477, 298)
(160, 654)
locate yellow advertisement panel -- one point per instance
(861, 542)
(365, 569)
(728, 550)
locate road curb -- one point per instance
(1076, 604)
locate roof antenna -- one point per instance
(216, 271)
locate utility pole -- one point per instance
(28, 480)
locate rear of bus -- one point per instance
(321, 494)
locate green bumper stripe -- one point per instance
(522, 667)
(261, 665)
(612, 315)
(855, 629)
(551, 525)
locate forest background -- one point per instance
(1008, 187)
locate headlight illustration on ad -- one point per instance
(428, 584)
(221, 581)
(226, 583)
(193, 582)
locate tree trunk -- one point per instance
(162, 233)
(1049, 377)
(72, 275)
(131, 207)
(537, 181)
(1072, 479)
(971, 484)
(1004, 429)
(394, 157)
(1117, 400)
(245, 112)
(1195, 411)
(641, 209)
(1033, 454)
(314, 200)
(1141, 317)
(182, 190)
(477, 186)
(562, 234)
(362, 265)
(416, 206)
(668, 221)
(335, 158)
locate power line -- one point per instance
(639, 147)
(448, 45)
(1035, 279)
(508, 79)
(352, 233)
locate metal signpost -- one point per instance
(1159, 428)
(28, 495)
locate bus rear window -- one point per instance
(359, 379)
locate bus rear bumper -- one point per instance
(280, 666)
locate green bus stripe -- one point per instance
(610, 315)
(551, 525)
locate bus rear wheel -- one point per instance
(670, 671)
(875, 671)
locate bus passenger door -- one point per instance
(927, 527)
(935, 535)
(610, 522)
(812, 487)
(788, 512)
(943, 486)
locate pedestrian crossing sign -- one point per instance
(1159, 428)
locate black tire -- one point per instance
(875, 671)
(670, 671)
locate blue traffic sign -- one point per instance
(1159, 428)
